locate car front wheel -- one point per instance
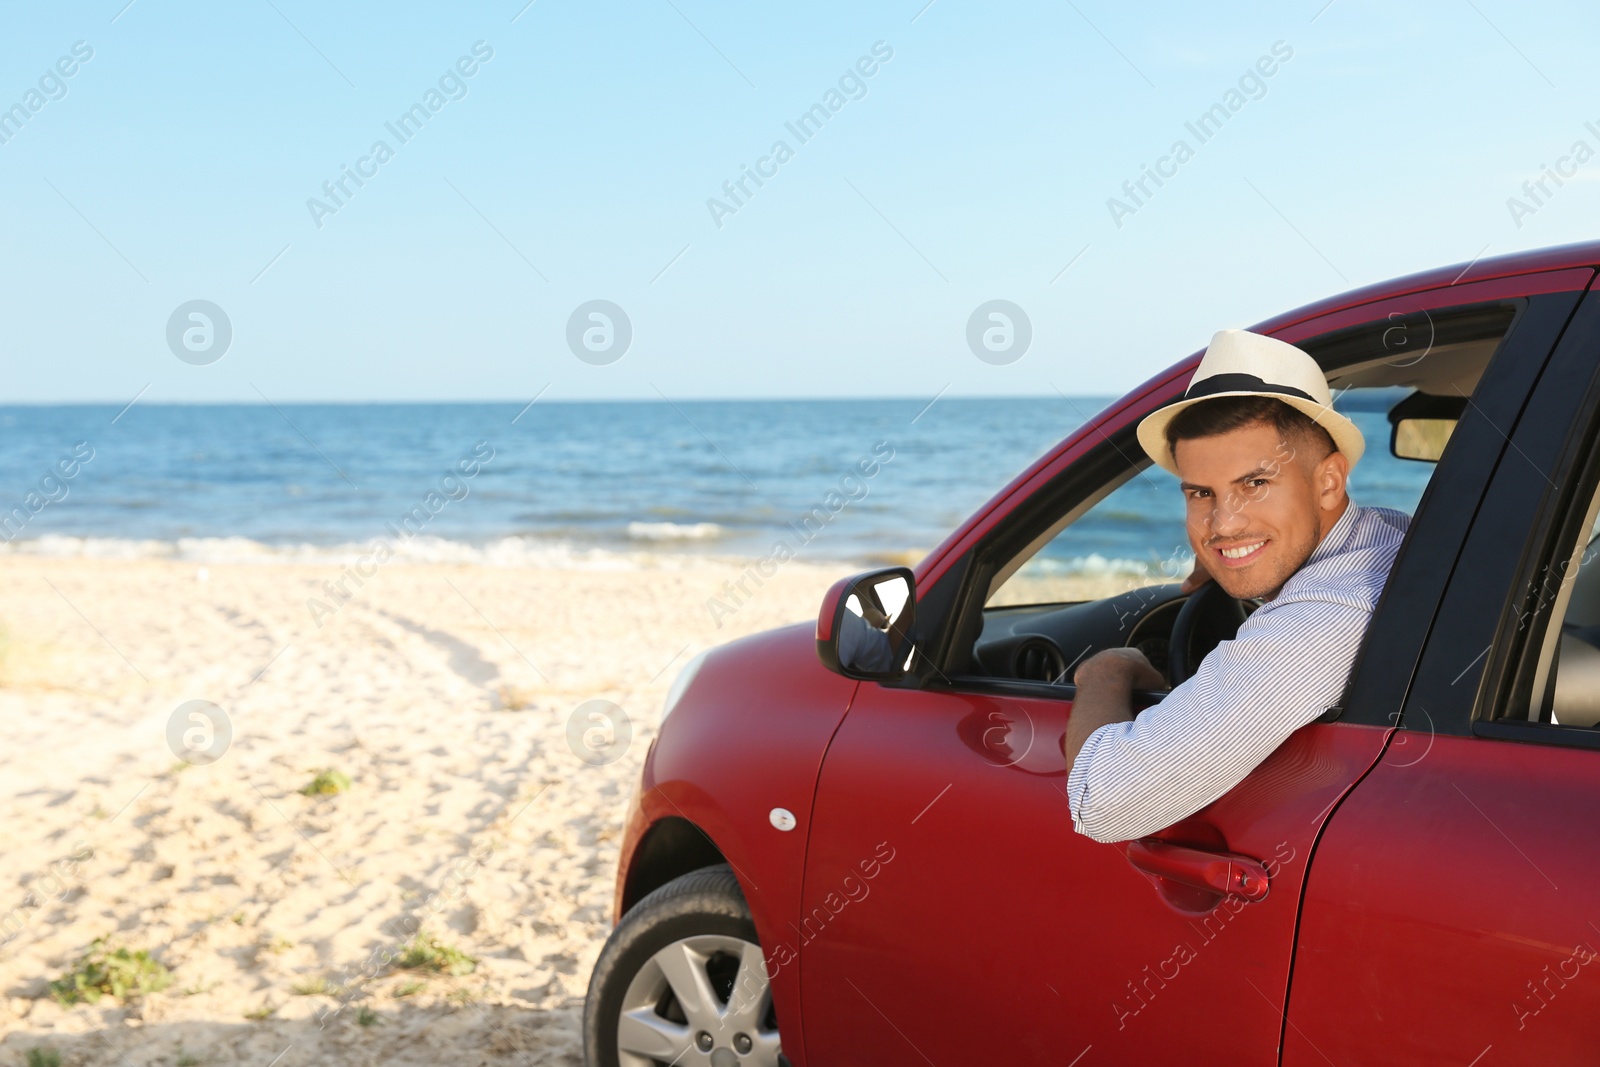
(682, 981)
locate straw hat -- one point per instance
(1241, 363)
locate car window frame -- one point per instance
(1476, 661)
(1108, 458)
(1523, 526)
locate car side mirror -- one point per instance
(865, 625)
(1422, 424)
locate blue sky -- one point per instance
(973, 165)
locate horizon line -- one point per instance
(909, 398)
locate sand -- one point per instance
(443, 693)
(475, 816)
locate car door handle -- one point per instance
(1218, 872)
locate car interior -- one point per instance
(1041, 616)
(1568, 677)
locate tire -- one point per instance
(682, 981)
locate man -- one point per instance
(865, 640)
(1263, 460)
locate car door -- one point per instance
(1452, 913)
(951, 914)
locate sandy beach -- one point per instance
(441, 692)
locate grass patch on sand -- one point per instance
(514, 697)
(275, 945)
(316, 987)
(123, 973)
(427, 953)
(266, 1011)
(328, 782)
(43, 1056)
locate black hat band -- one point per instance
(1242, 383)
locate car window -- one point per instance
(1133, 535)
(1566, 683)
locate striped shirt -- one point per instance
(1288, 664)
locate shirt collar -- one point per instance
(1338, 538)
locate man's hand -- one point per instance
(1106, 682)
(1196, 579)
(872, 610)
(1118, 666)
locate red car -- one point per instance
(826, 867)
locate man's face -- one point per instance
(1257, 508)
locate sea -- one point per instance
(581, 484)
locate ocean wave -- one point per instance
(502, 552)
(674, 531)
(673, 551)
(1095, 565)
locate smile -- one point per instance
(1236, 554)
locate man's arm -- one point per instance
(862, 645)
(1106, 682)
(1288, 664)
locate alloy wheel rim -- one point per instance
(702, 1000)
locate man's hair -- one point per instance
(1224, 414)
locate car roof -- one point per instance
(1580, 254)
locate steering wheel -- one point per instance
(1209, 617)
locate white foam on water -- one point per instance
(423, 549)
(674, 531)
(1095, 565)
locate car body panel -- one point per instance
(748, 736)
(1451, 909)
